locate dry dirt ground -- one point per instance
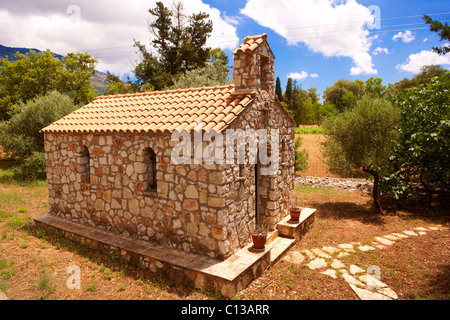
(33, 264)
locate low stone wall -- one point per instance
(336, 183)
(202, 272)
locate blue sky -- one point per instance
(315, 41)
(401, 33)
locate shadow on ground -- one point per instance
(348, 210)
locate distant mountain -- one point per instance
(98, 79)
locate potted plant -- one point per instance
(259, 237)
(295, 210)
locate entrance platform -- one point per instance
(228, 276)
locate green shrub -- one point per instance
(31, 168)
(301, 156)
(422, 152)
(20, 136)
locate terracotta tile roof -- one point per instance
(251, 43)
(158, 111)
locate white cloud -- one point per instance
(105, 28)
(333, 28)
(406, 36)
(379, 50)
(298, 76)
(301, 75)
(416, 61)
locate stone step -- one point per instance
(296, 230)
(278, 247)
(271, 236)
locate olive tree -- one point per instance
(362, 139)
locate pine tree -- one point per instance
(180, 42)
(443, 30)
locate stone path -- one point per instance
(3, 296)
(366, 284)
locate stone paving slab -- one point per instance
(354, 269)
(347, 247)
(294, 257)
(331, 273)
(403, 236)
(317, 263)
(384, 241)
(364, 294)
(309, 254)
(388, 292)
(391, 237)
(350, 279)
(3, 296)
(337, 264)
(365, 285)
(330, 250)
(366, 248)
(321, 254)
(371, 281)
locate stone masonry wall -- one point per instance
(254, 70)
(102, 179)
(185, 212)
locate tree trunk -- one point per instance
(376, 182)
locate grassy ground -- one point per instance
(34, 265)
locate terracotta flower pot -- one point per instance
(259, 240)
(295, 213)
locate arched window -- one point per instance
(84, 161)
(150, 164)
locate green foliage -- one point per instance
(422, 152)
(323, 110)
(31, 168)
(180, 43)
(35, 74)
(278, 90)
(216, 72)
(373, 87)
(309, 130)
(443, 30)
(20, 136)
(117, 86)
(424, 76)
(301, 156)
(15, 222)
(298, 103)
(344, 93)
(363, 135)
(362, 138)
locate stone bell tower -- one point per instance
(254, 65)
